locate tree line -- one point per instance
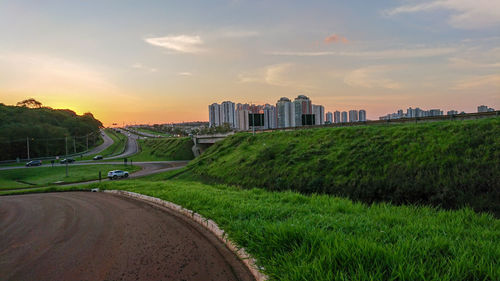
(47, 131)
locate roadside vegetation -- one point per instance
(49, 131)
(164, 149)
(448, 164)
(156, 133)
(43, 176)
(118, 146)
(321, 237)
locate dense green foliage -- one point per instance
(448, 164)
(46, 129)
(321, 237)
(164, 149)
(42, 176)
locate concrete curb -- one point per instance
(210, 225)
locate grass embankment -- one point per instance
(118, 146)
(42, 176)
(165, 149)
(448, 164)
(320, 237)
(147, 131)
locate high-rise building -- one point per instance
(319, 114)
(336, 117)
(269, 116)
(435, 112)
(285, 112)
(329, 118)
(214, 115)
(227, 110)
(344, 117)
(242, 119)
(362, 115)
(303, 106)
(353, 116)
(484, 108)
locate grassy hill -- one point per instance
(164, 149)
(448, 164)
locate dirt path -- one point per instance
(97, 236)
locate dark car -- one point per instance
(67, 160)
(34, 163)
(97, 157)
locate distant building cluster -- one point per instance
(484, 108)
(417, 112)
(412, 113)
(286, 113)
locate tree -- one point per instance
(30, 103)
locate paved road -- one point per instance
(107, 143)
(131, 147)
(98, 236)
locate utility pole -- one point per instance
(28, 146)
(253, 124)
(74, 145)
(87, 142)
(66, 141)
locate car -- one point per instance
(67, 160)
(97, 157)
(117, 174)
(34, 163)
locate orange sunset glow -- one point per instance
(139, 64)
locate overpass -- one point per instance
(202, 142)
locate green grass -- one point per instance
(42, 176)
(449, 164)
(118, 146)
(164, 149)
(321, 237)
(152, 132)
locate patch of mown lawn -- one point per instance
(42, 176)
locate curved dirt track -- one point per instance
(97, 236)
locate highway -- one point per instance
(107, 143)
(99, 236)
(131, 147)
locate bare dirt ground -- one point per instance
(97, 236)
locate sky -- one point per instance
(136, 62)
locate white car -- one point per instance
(117, 174)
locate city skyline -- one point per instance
(161, 62)
(284, 114)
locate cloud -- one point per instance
(239, 33)
(282, 75)
(386, 54)
(334, 38)
(371, 77)
(140, 66)
(178, 43)
(484, 81)
(465, 14)
(39, 72)
(480, 58)
(464, 63)
(185, 74)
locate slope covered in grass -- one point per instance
(165, 149)
(448, 164)
(321, 237)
